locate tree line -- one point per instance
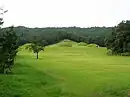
(53, 35)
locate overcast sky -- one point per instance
(59, 13)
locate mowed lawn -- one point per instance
(77, 71)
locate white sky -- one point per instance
(58, 13)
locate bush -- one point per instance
(92, 45)
(109, 53)
(82, 44)
(125, 54)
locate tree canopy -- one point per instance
(119, 40)
(37, 45)
(53, 35)
(8, 47)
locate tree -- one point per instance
(119, 40)
(37, 45)
(8, 48)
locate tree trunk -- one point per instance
(37, 55)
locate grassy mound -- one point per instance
(24, 47)
(82, 44)
(66, 43)
(92, 45)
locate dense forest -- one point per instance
(52, 35)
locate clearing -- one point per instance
(78, 71)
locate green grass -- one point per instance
(77, 71)
(66, 43)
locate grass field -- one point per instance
(68, 72)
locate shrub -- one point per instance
(125, 54)
(109, 53)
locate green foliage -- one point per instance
(109, 52)
(91, 35)
(82, 44)
(119, 40)
(36, 46)
(8, 48)
(125, 54)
